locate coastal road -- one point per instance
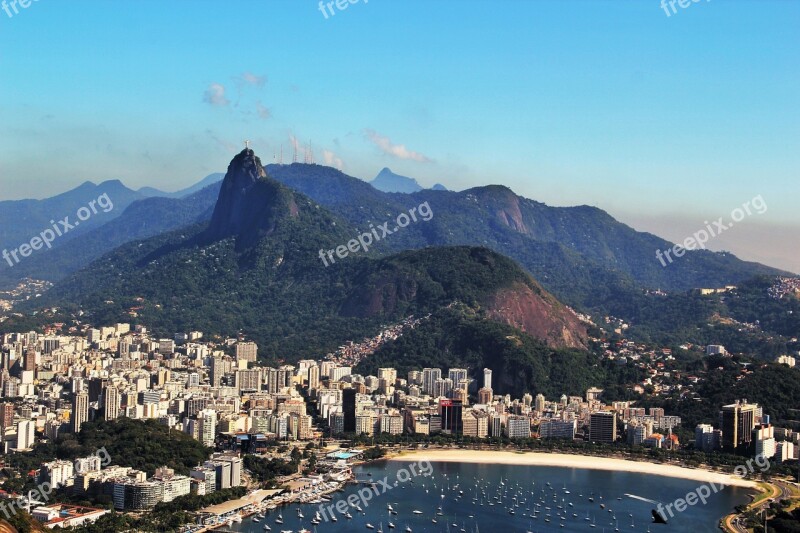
(779, 490)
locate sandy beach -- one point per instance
(572, 461)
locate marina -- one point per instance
(463, 498)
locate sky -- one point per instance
(664, 118)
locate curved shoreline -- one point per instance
(587, 462)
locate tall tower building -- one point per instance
(111, 402)
(80, 410)
(349, 409)
(540, 403)
(487, 378)
(246, 351)
(313, 377)
(208, 426)
(6, 415)
(603, 427)
(429, 378)
(738, 422)
(30, 359)
(458, 375)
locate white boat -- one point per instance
(415, 511)
(267, 528)
(370, 526)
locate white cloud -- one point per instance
(332, 160)
(397, 150)
(215, 95)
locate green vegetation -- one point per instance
(266, 470)
(164, 516)
(145, 445)
(774, 387)
(460, 338)
(294, 310)
(373, 453)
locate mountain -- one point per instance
(458, 338)
(22, 220)
(211, 179)
(249, 205)
(388, 181)
(141, 219)
(439, 187)
(558, 245)
(256, 267)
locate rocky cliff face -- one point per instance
(250, 203)
(539, 315)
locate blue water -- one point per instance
(529, 484)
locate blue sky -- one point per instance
(664, 121)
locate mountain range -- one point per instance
(243, 255)
(255, 268)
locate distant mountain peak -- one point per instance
(250, 203)
(388, 181)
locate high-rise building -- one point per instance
(313, 377)
(6, 415)
(764, 437)
(25, 434)
(451, 413)
(485, 396)
(30, 359)
(429, 377)
(553, 428)
(784, 451)
(487, 378)
(442, 387)
(349, 410)
(603, 427)
(414, 377)
(339, 372)
(219, 367)
(389, 374)
(457, 376)
(248, 380)
(495, 425)
(80, 410)
(111, 402)
(246, 351)
(704, 437)
(518, 427)
(540, 403)
(738, 422)
(208, 426)
(475, 424)
(637, 433)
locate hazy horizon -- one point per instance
(663, 121)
